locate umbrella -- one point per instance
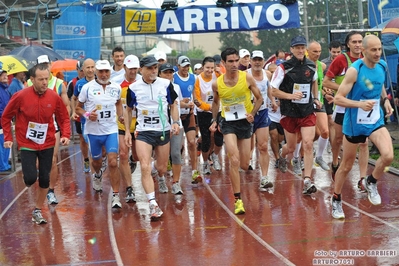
(64, 65)
(31, 52)
(14, 64)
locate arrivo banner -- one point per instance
(202, 19)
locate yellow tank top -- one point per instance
(239, 94)
(125, 88)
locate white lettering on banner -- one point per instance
(195, 17)
(210, 19)
(220, 16)
(285, 15)
(217, 15)
(253, 21)
(235, 22)
(170, 21)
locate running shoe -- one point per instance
(276, 164)
(51, 199)
(206, 169)
(196, 177)
(116, 201)
(37, 217)
(130, 197)
(296, 163)
(163, 188)
(155, 212)
(308, 187)
(104, 164)
(216, 163)
(372, 191)
(337, 211)
(86, 166)
(320, 162)
(360, 185)
(176, 189)
(97, 181)
(265, 183)
(239, 207)
(282, 164)
(333, 171)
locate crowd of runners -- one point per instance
(298, 105)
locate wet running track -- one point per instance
(280, 227)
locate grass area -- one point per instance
(395, 162)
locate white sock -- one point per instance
(321, 146)
(297, 149)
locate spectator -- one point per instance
(4, 99)
(244, 60)
(17, 83)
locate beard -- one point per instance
(102, 81)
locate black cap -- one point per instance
(165, 67)
(148, 61)
(298, 40)
(217, 58)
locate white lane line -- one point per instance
(352, 206)
(26, 188)
(246, 228)
(112, 237)
(364, 212)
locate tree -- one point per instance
(322, 16)
(196, 53)
(236, 39)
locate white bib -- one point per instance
(106, 113)
(37, 132)
(305, 89)
(151, 118)
(369, 117)
(234, 112)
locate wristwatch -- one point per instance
(176, 122)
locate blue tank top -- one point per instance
(186, 87)
(368, 86)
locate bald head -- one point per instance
(89, 68)
(370, 39)
(314, 51)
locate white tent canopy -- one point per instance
(160, 46)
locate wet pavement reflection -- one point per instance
(280, 227)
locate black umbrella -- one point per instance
(31, 53)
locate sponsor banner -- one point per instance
(77, 33)
(381, 11)
(70, 30)
(72, 54)
(202, 19)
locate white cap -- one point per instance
(183, 61)
(103, 65)
(197, 66)
(160, 55)
(258, 54)
(243, 53)
(131, 61)
(43, 59)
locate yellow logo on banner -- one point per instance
(140, 21)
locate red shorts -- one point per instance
(294, 124)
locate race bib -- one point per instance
(209, 97)
(234, 112)
(305, 89)
(369, 117)
(106, 113)
(37, 132)
(151, 118)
